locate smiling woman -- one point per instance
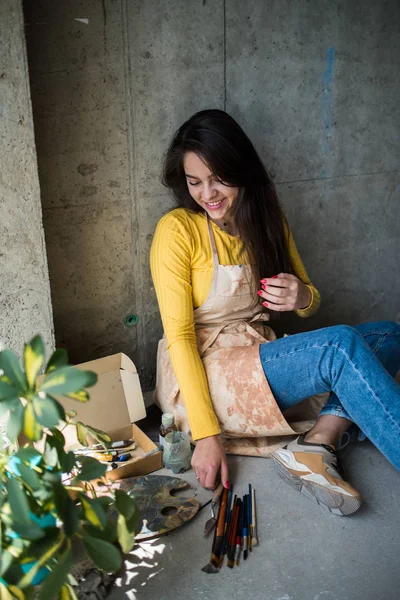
(213, 195)
(221, 262)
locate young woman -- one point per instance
(221, 262)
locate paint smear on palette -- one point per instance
(327, 98)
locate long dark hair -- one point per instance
(216, 138)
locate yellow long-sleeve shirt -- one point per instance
(182, 268)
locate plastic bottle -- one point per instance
(177, 452)
(167, 425)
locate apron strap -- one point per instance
(212, 242)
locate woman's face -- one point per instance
(206, 189)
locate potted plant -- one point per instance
(40, 516)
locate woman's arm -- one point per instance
(170, 262)
(300, 271)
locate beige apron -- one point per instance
(229, 330)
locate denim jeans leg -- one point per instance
(338, 359)
(383, 337)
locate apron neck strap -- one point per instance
(212, 241)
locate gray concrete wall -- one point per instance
(314, 83)
(25, 304)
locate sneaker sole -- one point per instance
(337, 503)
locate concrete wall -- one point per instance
(314, 83)
(25, 305)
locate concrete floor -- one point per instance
(305, 552)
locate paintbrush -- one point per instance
(254, 537)
(227, 524)
(232, 535)
(249, 532)
(220, 528)
(239, 534)
(210, 567)
(209, 526)
(245, 524)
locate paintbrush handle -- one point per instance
(254, 518)
(220, 529)
(222, 513)
(217, 494)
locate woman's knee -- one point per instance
(379, 328)
(345, 335)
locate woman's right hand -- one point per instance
(208, 459)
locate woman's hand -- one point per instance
(284, 292)
(208, 458)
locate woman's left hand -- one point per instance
(284, 292)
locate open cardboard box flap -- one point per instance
(115, 401)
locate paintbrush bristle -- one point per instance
(231, 564)
(254, 542)
(210, 568)
(245, 555)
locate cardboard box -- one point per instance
(116, 403)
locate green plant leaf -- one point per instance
(15, 421)
(68, 462)
(29, 531)
(90, 469)
(81, 433)
(46, 411)
(58, 576)
(12, 371)
(66, 509)
(99, 435)
(50, 455)
(67, 380)
(135, 523)
(126, 538)
(27, 453)
(7, 390)
(5, 594)
(28, 577)
(5, 561)
(105, 501)
(6, 405)
(57, 435)
(81, 396)
(38, 548)
(60, 408)
(54, 442)
(16, 593)
(58, 359)
(18, 502)
(32, 429)
(67, 593)
(94, 512)
(71, 579)
(125, 504)
(29, 476)
(71, 413)
(51, 477)
(33, 359)
(109, 533)
(103, 554)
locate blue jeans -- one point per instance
(357, 364)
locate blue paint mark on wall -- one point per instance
(327, 98)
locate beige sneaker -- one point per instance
(314, 470)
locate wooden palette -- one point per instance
(160, 511)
